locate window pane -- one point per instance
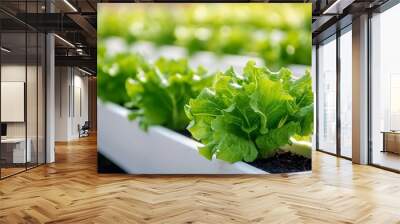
(327, 97)
(385, 86)
(346, 94)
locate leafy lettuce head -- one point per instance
(160, 93)
(243, 117)
(113, 72)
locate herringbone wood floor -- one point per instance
(70, 191)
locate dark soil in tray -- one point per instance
(283, 162)
(186, 133)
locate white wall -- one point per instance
(12, 73)
(13, 101)
(62, 81)
(33, 126)
(71, 94)
(80, 109)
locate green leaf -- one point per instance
(232, 144)
(270, 101)
(206, 151)
(270, 142)
(200, 127)
(306, 117)
(207, 103)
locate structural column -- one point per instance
(50, 99)
(50, 92)
(360, 90)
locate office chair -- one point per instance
(84, 130)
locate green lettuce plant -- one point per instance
(253, 115)
(160, 93)
(113, 71)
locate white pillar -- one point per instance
(50, 99)
(360, 90)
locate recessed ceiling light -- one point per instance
(64, 40)
(337, 7)
(84, 71)
(5, 50)
(70, 5)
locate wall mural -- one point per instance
(204, 88)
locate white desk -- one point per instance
(19, 155)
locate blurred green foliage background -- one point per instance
(280, 34)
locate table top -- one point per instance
(13, 140)
(391, 132)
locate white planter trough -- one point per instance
(157, 151)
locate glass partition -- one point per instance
(14, 145)
(31, 100)
(22, 77)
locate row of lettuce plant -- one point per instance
(278, 34)
(238, 117)
(160, 93)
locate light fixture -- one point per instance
(5, 50)
(337, 7)
(84, 71)
(70, 5)
(80, 51)
(64, 40)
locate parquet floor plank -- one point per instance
(71, 191)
